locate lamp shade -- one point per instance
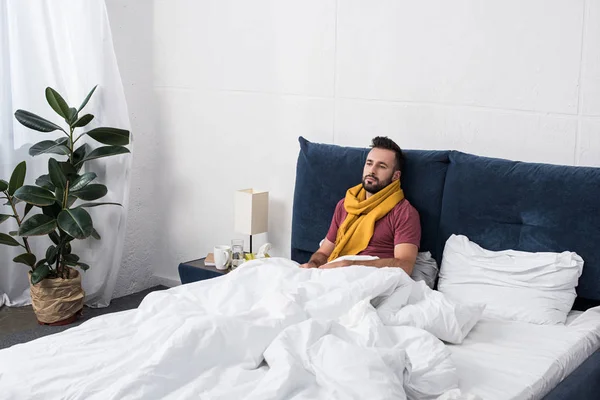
(251, 211)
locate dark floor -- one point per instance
(19, 325)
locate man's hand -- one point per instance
(320, 257)
(310, 264)
(336, 264)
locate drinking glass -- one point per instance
(237, 253)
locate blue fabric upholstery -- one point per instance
(423, 182)
(323, 174)
(582, 384)
(301, 256)
(501, 204)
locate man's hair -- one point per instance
(383, 142)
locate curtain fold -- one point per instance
(66, 45)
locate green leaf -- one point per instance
(72, 115)
(17, 178)
(57, 176)
(60, 195)
(40, 262)
(57, 103)
(95, 234)
(72, 258)
(82, 181)
(81, 151)
(7, 240)
(35, 195)
(52, 210)
(83, 121)
(13, 233)
(50, 146)
(71, 200)
(68, 169)
(35, 122)
(25, 258)
(91, 192)
(37, 225)
(4, 217)
(3, 185)
(112, 136)
(54, 237)
(51, 254)
(76, 222)
(39, 273)
(104, 151)
(45, 182)
(83, 266)
(79, 154)
(87, 98)
(98, 204)
(28, 208)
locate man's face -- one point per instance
(379, 170)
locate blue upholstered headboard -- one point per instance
(498, 204)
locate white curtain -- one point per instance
(66, 45)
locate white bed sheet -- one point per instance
(515, 360)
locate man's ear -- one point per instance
(396, 175)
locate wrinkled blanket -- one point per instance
(268, 330)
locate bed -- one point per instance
(271, 330)
(499, 204)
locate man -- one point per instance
(374, 218)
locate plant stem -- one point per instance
(71, 144)
(59, 250)
(78, 137)
(66, 197)
(58, 269)
(16, 215)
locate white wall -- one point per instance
(219, 91)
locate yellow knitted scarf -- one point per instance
(355, 233)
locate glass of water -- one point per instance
(237, 253)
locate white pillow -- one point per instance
(514, 285)
(425, 269)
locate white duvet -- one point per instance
(268, 330)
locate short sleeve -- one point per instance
(336, 221)
(407, 225)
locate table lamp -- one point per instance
(251, 212)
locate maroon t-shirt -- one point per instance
(400, 225)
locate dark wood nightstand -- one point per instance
(193, 271)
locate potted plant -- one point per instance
(60, 198)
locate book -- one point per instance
(209, 261)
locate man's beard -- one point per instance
(376, 186)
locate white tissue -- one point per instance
(263, 250)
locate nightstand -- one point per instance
(193, 271)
